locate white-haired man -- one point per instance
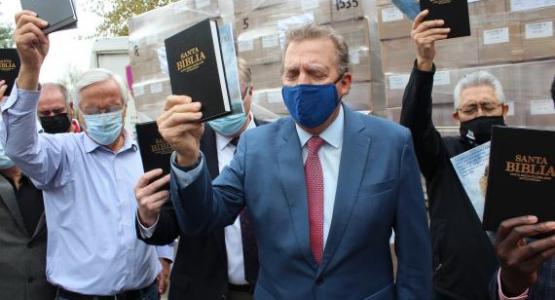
(464, 257)
(87, 180)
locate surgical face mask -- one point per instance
(5, 161)
(59, 123)
(478, 130)
(104, 128)
(230, 125)
(310, 105)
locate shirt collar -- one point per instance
(333, 135)
(91, 145)
(223, 141)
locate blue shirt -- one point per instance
(89, 203)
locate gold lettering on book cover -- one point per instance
(190, 60)
(7, 65)
(161, 147)
(441, 1)
(530, 168)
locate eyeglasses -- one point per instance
(96, 110)
(486, 107)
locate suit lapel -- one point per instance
(291, 173)
(354, 153)
(8, 196)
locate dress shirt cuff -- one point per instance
(146, 232)
(186, 176)
(166, 252)
(21, 100)
(502, 296)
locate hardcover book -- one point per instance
(521, 175)
(9, 67)
(197, 68)
(60, 14)
(453, 12)
(155, 151)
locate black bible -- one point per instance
(521, 178)
(453, 12)
(60, 14)
(197, 68)
(9, 67)
(155, 151)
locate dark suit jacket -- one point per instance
(378, 190)
(22, 255)
(200, 266)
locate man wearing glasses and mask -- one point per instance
(464, 257)
(87, 181)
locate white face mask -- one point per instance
(104, 128)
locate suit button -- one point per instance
(319, 281)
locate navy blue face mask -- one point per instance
(310, 105)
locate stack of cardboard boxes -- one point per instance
(147, 53)
(513, 39)
(261, 27)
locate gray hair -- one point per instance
(93, 76)
(60, 87)
(245, 74)
(479, 78)
(312, 31)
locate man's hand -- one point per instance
(519, 259)
(179, 126)
(149, 198)
(425, 34)
(32, 47)
(164, 276)
(3, 89)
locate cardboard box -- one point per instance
(538, 40)
(392, 23)
(487, 7)
(364, 96)
(266, 76)
(398, 55)
(357, 36)
(342, 10)
(500, 43)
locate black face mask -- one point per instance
(55, 124)
(478, 131)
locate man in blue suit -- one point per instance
(324, 187)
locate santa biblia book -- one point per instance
(202, 64)
(453, 12)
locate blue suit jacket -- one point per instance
(379, 189)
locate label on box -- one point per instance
(511, 111)
(156, 88)
(138, 90)
(391, 14)
(354, 57)
(274, 97)
(520, 5)
(309, 4)
(539, 30)
(202, 3)
(541, 107)
(398, 82)
(245, 45)
(270, 41)
(442, 78)
(496, 36)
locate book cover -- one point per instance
(196, 68)
(60, 14)
(453, 12)
(472, 169)
(155, 151)
(521, 175)
(9, 67)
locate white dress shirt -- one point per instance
(233, 238)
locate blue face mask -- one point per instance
(310, 105)
(5, 162)
(104, 128)
(230, 125)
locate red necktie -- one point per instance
(314, 180)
